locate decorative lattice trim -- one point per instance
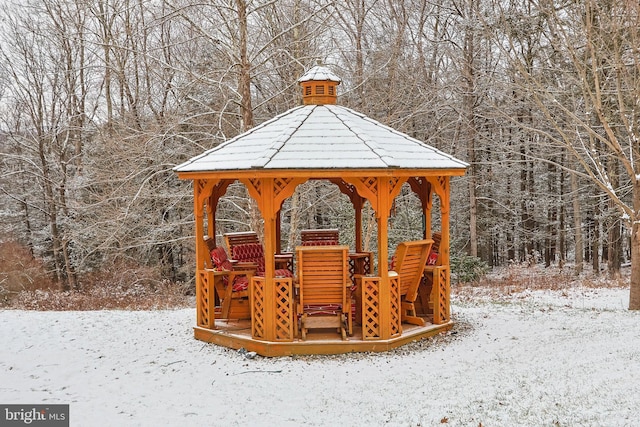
(258, 308)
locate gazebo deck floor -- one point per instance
(236, 334)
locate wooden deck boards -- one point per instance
(237, 334)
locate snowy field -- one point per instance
(542, 358)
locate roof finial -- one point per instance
(319, 85)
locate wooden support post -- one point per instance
(211, 218)
(201, 254)
(444, 210)
(382, 213)
(269, 215)
(278, 232)
(358, 203)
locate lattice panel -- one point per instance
(279, 184)
(284, 312)
(393, 183)
(203, 315)
(257, 185)
(352, 269)
(371, 184)
(257, 308)
(395, 312)
(365, 264)
(370, 308)
(442, 311)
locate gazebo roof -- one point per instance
(321, 137)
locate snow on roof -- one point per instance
(319, 72)
(321, 137)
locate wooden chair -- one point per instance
(320, 237)
(231, 284)
(409, 262)
(425, 300)
(246, 248)
(323, 289)
(253, 254)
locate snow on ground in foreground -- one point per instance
(542, 358)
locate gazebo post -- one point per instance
(358, 203)
(443, 192)
(198, 209)
(442, 294)
(205, 298)
(212, 205)
(279, 231)
(268, 211)
(427, 204)
(382, 214)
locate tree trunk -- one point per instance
(634, 292)
(595, 242)
(244, 78)
(614, 255)
(577, 224)
(470, 131)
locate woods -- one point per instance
(100, 99)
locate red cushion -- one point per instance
(220, 260)
(241, 283)
(433, 258)
(254, 253)
(250, 252)
(322, 310)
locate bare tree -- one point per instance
(600, 41)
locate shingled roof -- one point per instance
(321, 137)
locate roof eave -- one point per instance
(318, 173)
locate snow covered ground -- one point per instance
(567, 358)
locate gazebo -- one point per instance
(368, 161)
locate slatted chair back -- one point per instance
(323, 280)
(410, 261)
(320, 237)
(240, 238)
(253, 253)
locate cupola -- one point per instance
(319, 86)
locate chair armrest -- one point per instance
(216, 272)
(243, 265)
(284, 255)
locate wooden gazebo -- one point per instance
(368, 162)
